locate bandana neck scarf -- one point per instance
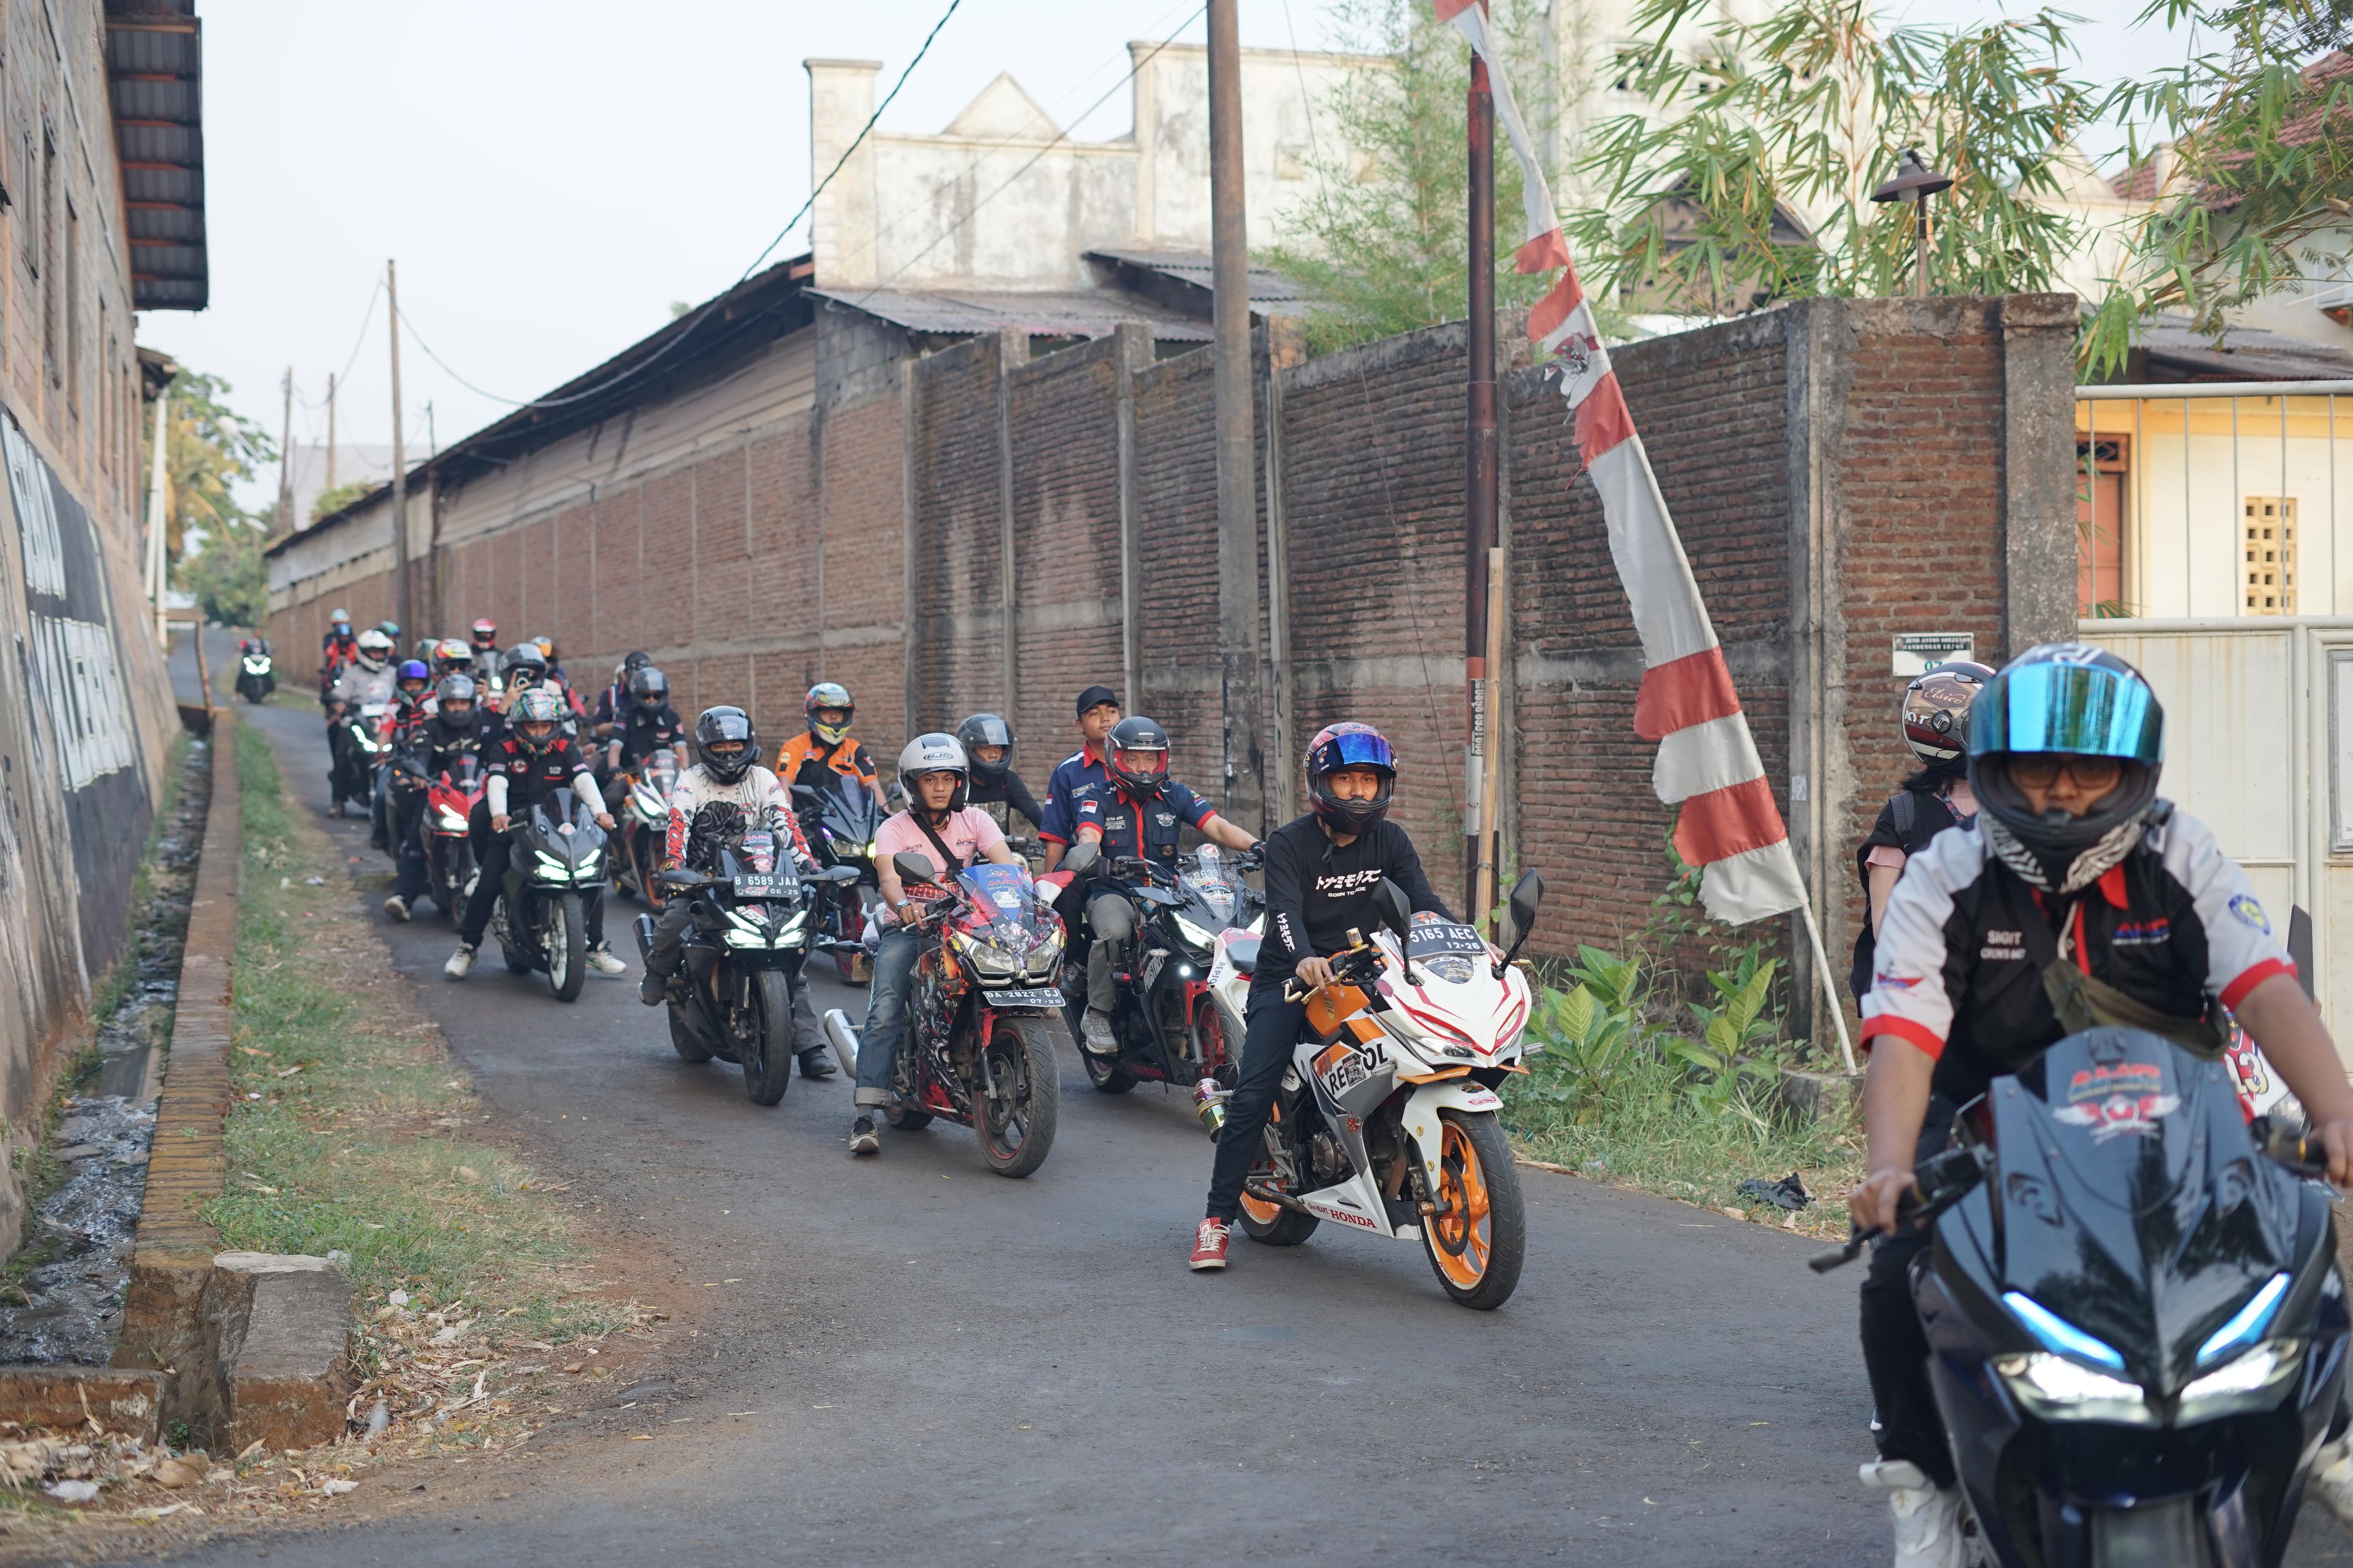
(2088, 867)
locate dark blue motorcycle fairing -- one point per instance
(2132, 1202)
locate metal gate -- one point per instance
(2258, 745)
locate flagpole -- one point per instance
(1830, 986)
(1482, 493)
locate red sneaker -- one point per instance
(1209, 1246)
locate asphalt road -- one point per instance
(944, 1366)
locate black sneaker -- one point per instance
(815, 1063)
(865, 1134)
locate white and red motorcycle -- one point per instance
(1386, 1120)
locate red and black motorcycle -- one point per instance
(977, 1050)
(449, 852)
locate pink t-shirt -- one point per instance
(970, 833)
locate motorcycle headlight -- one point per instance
(1193, 933)
(748, 939)
(650, 803)
(2250, 1382)
(2058, 1389)
(552, 868)
(1047, 954)
(744, 920)
(590, 862)
(451, 820)
(990, 961)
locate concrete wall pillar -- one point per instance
(844, 224)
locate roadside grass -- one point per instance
(346, 1134)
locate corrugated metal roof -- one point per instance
(154, 64)
(1079, 314)
(2177, 353)
(1266, 286)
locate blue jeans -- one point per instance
(886, 1014)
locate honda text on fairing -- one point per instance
(750, 929)
(840, 819)
(2137, 1322)
(644, 820)
(1170, 1023)
(976, 1050)
(1386, 1120)
(541, 921)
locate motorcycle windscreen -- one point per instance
(848, 809)
(2132, 1201)
(1006, 898)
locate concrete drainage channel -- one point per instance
(231, 1348)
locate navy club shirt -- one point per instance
(1146, 830)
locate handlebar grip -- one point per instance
(1846, 1252)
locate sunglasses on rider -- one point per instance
(2096, 775)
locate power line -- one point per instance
(691, 323)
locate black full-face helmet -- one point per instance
(986, 730)
(649, 687)
(2053, 703)
(726, 743)
(1135, 755)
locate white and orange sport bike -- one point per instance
(1386, 1120)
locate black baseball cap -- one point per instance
(1094, 695)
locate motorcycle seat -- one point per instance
(1243, 953)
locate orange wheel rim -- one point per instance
(1259, 1211)
(1464, 1235)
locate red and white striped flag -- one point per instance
(1707, 761)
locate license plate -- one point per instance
(764, 884)
(1043, 998)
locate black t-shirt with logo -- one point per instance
(1317, 890)
(648, 731)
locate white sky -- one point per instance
(552, 173)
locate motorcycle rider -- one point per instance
(1139, 813)
(726, 792)
(412, 704)
(648, 725)
(366, 679)
(554, 665)
(1936, 797)
(525, 768)
(2077, 898)
(1057, 829)
(994, 787)
(451, 730)
(1321, 870)
(827, 748)
(486, 642)
(613, 702)
(938, 826)
(451, 656)
(336, 649)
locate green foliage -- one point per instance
(1382, 243)
(335, 499)
(209, 448)
(1703, 204)
(227, 576)
(2258, 184)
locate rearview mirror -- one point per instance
(805, 793)
(1393, 907)
(681, 879)
(1082, 855)
(835, 874)
(911, 867)
(1527, 893)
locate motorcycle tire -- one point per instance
(1478, 1248)
(766, 1048)
(683, 1040)
(567, 948)
(1021, 1054)
(1106, 1077)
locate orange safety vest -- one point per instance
(805, 747)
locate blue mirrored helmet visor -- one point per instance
(1361, 751)
(2083, 709)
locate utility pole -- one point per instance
(286, 459)
(399, 468)
(330, 429)
(1238, 553)
(1480, 499)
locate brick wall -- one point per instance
(1836, 470)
